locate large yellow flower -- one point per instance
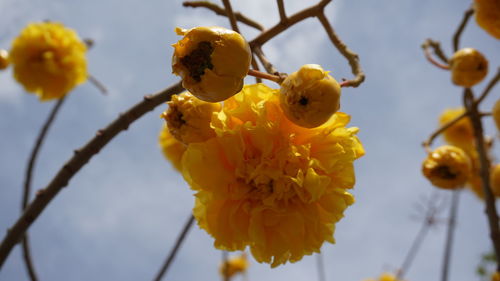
(269, 184)
(48, 59)
(172, 148)
(461, 133)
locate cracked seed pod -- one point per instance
(188, 118)
(468, 67)
(447, 167)
(310, 96)
(4, 59)
(212, 61)
(487, 14)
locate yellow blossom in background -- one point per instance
(461, 133)
(172, 148)
(310, 96)
(4, 59)
(487, 14)
(447, 167)
(266, 183)
(495, 276)
(48, 59)
(212, 61)
(188, 118)
(233, 266)
(385, 277)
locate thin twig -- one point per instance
(429, 57)
(436, 46)
(426, 144)
(321, 267)
(230, 15)
(449, 234)
(75, 163)
(265, 62)
(490, 86)
(460, 29)
(264, 75)
(221, 12)
(98, 84)
(490, 208)
(255, 66)
(28, 260)
(351, 57)
(175, 249)
(281, 8)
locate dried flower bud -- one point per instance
(447, 167)
(212, 61)
(468, 67)
(188, 118)
(310, 96)
(4, 59)
(487, 13)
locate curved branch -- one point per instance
(230, 15)
(437, 50)
(75, 163)
(460, 29)
(27, 183)
(490, 86)
(351, 57)
(426, 144)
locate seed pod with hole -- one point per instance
(447, 167)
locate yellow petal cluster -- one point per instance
(212, 61)
(172, 148)
(461, 133)
(266, 183)
(487, 14)
(48, 59)
(447, 167)
(233, 266)
(4, 59)
(188, 118)
(468, 67)
(385, 277)
(310, 96)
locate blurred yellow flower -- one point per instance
(234, 265)
(188, 118)
(269, 184)
(468, 67)
(447, 167)
(48, 59)
(495, 276)
(310, 96)
(4, 59)
(172, 148)
(212, 61)
(461, 133)
(487, 13)
(385, 277)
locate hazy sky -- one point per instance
(120, 215)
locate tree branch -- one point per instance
(437, 50)
(490, 86)
(461, 27)
(281, 9)
(75, 163)
(351, 57)
(230, 15)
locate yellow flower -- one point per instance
(212, 61)
(48, 60)
(487, 14)
(447, 167)
(4, 59)
(234, 265)
(385, 277)
(188, 118)
(495, 276)
(310, 96)
(172, 148)
(496, 114)
(461, 133)
(269, 184)
(468, 67)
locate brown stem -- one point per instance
(98, 84)
(265, 62)
(28, 180)
(175, 249)
(255, 66)
(490, 208)
(460, 29)
(429, 57)
(222, 12)
(351, 57)
(490, 86)
(75, 163)
(266, 76)
(230, 15)
(281, 8)
(449, 234)
(426, 144)
(268, 34)
(436, 46)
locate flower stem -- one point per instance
(267, 76)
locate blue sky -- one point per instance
(120, 215)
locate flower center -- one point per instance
(444, 172)
(199, 60)
(175, 117)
